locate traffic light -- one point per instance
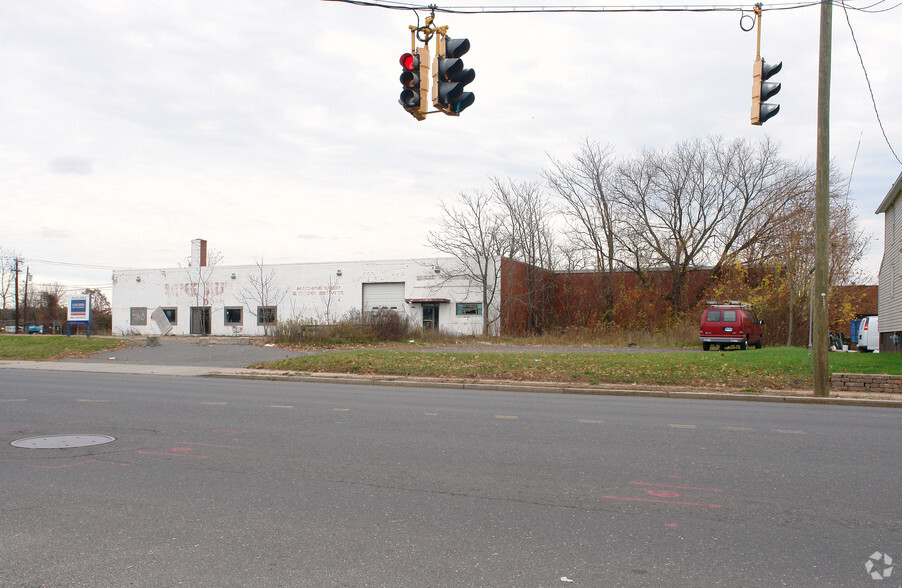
(415, 79)
(762, 90)
(450, 76)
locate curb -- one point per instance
(545, 389)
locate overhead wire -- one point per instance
(868, 80)
(575, 8)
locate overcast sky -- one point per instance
(272, 128)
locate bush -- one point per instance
(351, 329)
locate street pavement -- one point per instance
(253, 482)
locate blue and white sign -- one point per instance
(79, 309)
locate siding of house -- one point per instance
(889, 297)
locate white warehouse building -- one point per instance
(222, 300)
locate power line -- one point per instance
(499, 9)
(868, 80)
(68, 264)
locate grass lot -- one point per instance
(773, 368)
(46, 347)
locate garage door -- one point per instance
(388, 295)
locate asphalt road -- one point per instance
(214, 482)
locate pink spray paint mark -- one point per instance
(212, 445)
(662, 501)
(663, 493)
(678, 487)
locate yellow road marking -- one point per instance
(784, 431)
(501, 416)
(590, 421)
(682, 426)
(280, 406)
(341, 409)
(737, 429)
(89, 400)
(214, 403)
(13, 399)
(430, 414)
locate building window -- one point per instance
(138, 316)
(233, 315)
(464, 308)
(266, 315)
(172, 315)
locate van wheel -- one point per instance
(706, 346)
(744, 345)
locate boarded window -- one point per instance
(138, 316)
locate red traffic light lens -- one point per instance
(408, 61)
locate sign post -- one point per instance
(79, 313)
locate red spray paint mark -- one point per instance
(678, 487)
(662, 501)
(663, 493)
(673, 525)
(212, 445)
(71, 465)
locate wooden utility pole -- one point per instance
(17, 296)
(821, 363)
(25, 302)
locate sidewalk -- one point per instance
(787, 396)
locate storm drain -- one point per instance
(62, 441)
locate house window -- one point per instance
(138, 316)
(266, 315)
(233, 315)
(464, 308)
(172, 315)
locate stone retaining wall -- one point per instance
(866, 383)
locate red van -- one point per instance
(733, 323)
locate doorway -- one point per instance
(430, 317)
(200, 320)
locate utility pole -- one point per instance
(821, 363)
(17, 295)
(25, 302)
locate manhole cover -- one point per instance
(62, 441)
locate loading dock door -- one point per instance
(384, 295)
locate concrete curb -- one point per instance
(537, 387)
(550, 389)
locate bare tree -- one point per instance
(584, 184)
(530, 239)
(7, 275)
(199, 274)
(262, 291)
(701, 204)
(471, 232)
